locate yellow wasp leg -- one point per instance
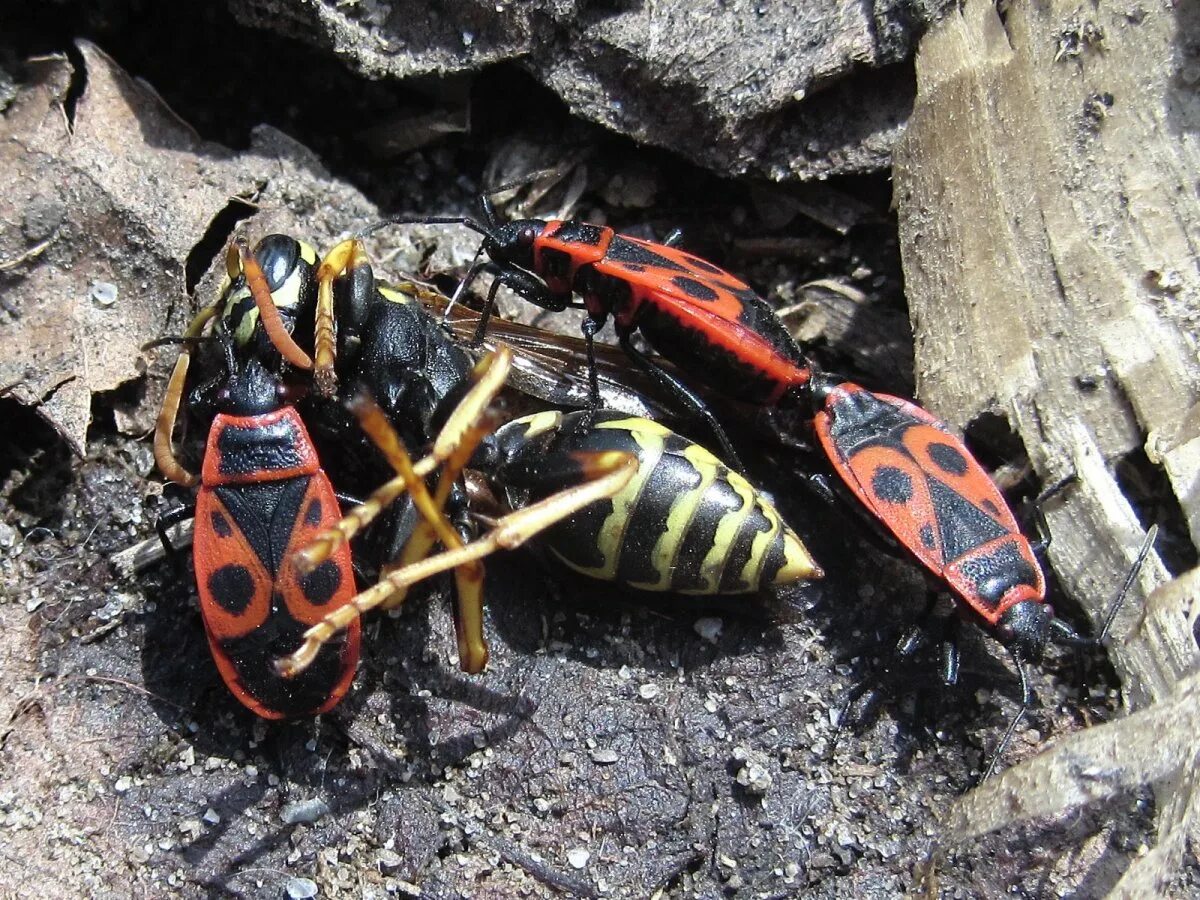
(607, 474)
(489, 375)
(342, 258)
(164, 426)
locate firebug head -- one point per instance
(513, 242)
(1025, 629)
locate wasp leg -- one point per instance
(464, 429)
(489, 375)
(348, 256)
(435, 526)
(607, 474)
(164, 426)
(683, 394)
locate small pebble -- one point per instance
(211, 817)
(301, 888)
(103, 294)
(303, 811)
(389, 861)
(754, 775)
(709, 628)
(604, 756)
(578, 857)
(648, 691)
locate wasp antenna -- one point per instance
(1119, 601)
(233, 257)
(189, 341)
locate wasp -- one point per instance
(722, 536)
(618, 498)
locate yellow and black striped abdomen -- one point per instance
(684, 523)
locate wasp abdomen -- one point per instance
(684, 523)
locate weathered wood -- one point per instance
(1048, 224)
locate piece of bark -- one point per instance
(1048, 215)
(111, 195)
(790, 90)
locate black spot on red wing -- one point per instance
(948, 458)
(220, 525)
(703, 265)
(321, 583)
(634, 267)
(254, 655)
(313, 513)
(695, 289)
(991, 507)
(232, 586)
(962, 524)
(623, 250)
(927, 536)
(578, 233)
(892, 485)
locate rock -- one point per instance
(785, 89)
(301, 888)
(303, 811)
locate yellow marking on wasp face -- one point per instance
(287, 295)
(727, 532)
(224, 286)
(244, 332)
(308, 252)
